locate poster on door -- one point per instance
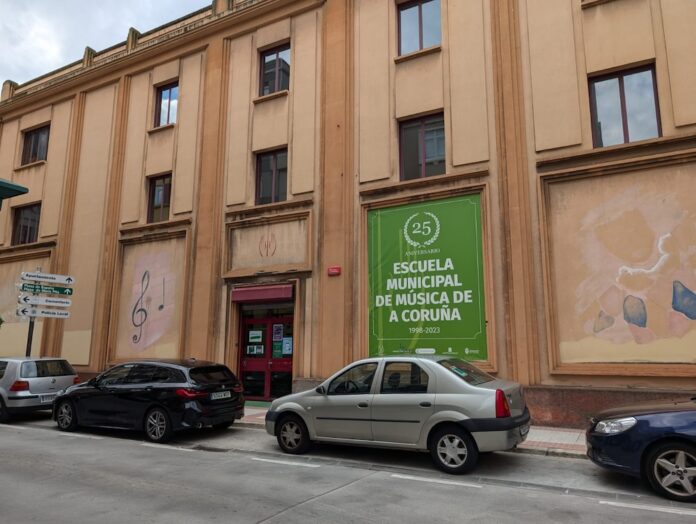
(426, 288)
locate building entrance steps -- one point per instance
(564, 442)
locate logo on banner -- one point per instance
(422, 229)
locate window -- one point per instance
(272, 177)
(404, 377)
(422, 143)
(115, 376)
(275, 70)
(25, 224)
(46, 368)
(466, 371)
(3, 367)
(419, 25)
(167, 102)
(35, 145)
(158, 199)
(356, 381)
(624, 107)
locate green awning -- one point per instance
(8, 190)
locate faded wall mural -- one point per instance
(13, 330)
(149, 322)
(624, 267)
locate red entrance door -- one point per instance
(266, 357)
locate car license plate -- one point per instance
(220, 394)
(45, 399)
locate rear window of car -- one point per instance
(46, 368)
(212, 375)
(466, 371)
(3, 367)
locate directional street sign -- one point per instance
(40, 312)
(44, 301)
(48, 277)
(42, 288)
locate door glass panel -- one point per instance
(254, 382)
(404, 377)
(281, 384)
(356, 381)
(115, 376)
(141, 374)
(255, 341)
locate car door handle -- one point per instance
(425, 404)
(363, 405)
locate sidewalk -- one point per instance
(560, 442)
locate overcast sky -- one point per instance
(38, 36)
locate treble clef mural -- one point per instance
(139, 313)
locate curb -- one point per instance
(551, 452)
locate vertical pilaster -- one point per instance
(334, 344)
(515, 194)
(206, 283)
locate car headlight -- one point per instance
(613, 426)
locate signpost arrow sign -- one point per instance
(42, 288)
(40, 312)
(48, 277)
(44, 301)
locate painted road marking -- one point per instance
(78, 435)
(287, 462)
(10, 426)
(661, 509)
(436, 481)
(164, 446)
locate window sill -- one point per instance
(391, 186)
(31, 250)
(272, 96)
(155, 226)
(417, 54)
(259, 209)
(160, 128)
(592, 3)
(29, 166)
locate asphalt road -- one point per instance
(239, 476)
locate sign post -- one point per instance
(36, 286)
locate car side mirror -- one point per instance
(321, 390)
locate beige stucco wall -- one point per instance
(88, 226)
(678, 18)
(55, 169)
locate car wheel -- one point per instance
(671, 471)
(158, 427)
(66, 418)
(4, 414)
(223, 425)
(453, 450)
(292, 435)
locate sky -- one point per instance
(38, 36)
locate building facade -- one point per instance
(289, 186)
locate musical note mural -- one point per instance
(151, 298)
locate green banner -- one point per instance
(426, 291)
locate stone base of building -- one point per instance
(572, 407)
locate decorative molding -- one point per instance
(390, 187)
(586, 4)
(25, 167)
(260, 210)
(272, 96)
(154, 130)
(27, 251)
(155, 231)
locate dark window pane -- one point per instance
(411, 152)
(25, 228)
(141, 375)
(356, 381)
(212, 375)
(46, 368)
(409, 30)
(173, 104)
(164, 107)
(608, 125)
(268, 75)
(115, 376)
(159, 198)
(265, 179)
(434, 147)
(431, 23)
(35, 147)
(284, 69)
(466, 371)
(281, 184)
(640, 106)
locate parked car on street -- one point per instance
(30, 384)
(654, 441)
(443, 405)
(154, 396)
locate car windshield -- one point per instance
(466, 371)
(46, 368)
(212, 375)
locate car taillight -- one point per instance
(20, 385)
(77, 380)
(237, 388)
(502, 407)
(190, 393)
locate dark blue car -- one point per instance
(654, 441)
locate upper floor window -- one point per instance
(624, 107)
(35, 145)
(159, 197)
(167, 102)
(422, 144)
(275, 70)
(25, 224)
(272, 177)
(419, 25)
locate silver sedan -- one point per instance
(442, 405)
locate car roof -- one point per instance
(30, 359)
(180, 362)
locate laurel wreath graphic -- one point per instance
(428, 242)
